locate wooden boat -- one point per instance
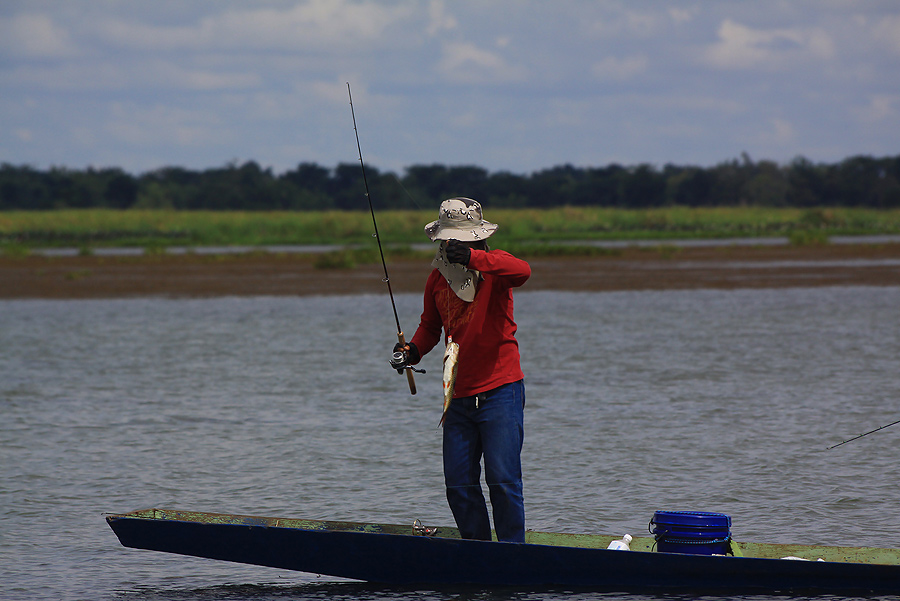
(417, 555)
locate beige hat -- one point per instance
(460, 219)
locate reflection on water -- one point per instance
(637, 401)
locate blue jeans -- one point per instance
(491, 425)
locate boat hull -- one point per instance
(378, 554)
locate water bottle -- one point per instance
(621, 545)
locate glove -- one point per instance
(404, 354)
(458, 252)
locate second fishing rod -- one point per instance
(400, 337)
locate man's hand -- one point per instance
(404, 355)
(457, 252)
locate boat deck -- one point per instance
(864, 555)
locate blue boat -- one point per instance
(416, 555)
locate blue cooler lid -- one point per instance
(698, 519)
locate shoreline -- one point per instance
(286, 274)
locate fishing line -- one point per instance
(387, 279)
(411, 197)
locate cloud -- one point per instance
(438, 19)
(887, 31)
(34, 36)
(464, 62)
(530, 83)
(210, 80)
(781, 133)
(337, 91)
(680, 15)
(881, 109)
(742, 47)
(151, 75)
(164, 125)
(303, 25)
(619, 69)
(622, 21)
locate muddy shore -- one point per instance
(290, 274)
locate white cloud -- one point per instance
(140, 75)
(318, 21)
(887, 31)
(337, 91)
(742, 47)
(164, 125)
(783, 131)
(565, 113)
(464, 62)
(619, 69)
(536, 83)
(461, 55)
(705, 105)
(64, 77)
(303, 25)
(681, 15)
(466, 120)
(780, 133)
(204, 79)
(34, 36)
(881, 109)
(438, 19)
(621, 21)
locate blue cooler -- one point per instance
(692, 532)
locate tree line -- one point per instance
(858, 181)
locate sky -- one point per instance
(506, 85)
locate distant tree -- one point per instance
(347, 186)
(887, 189)
(507, 190)
(644, 188)
(24, 188)
(168, 188)
(554, 186)
(73, 189)
(862, 181)
(605, 186)
(690, 186)
(806, 183)
(466, 180)
(767, 188)
(306, 187)
(121, 190)
(427, 181)
(308, 176)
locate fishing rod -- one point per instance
(866, 434)
(387, 280)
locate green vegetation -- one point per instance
(14, 250)
(859, 181)
(93, 228)
(346, 258)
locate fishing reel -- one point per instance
(400, 361)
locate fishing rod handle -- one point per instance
(409, 373)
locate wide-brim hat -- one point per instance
(460, 219)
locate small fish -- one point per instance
(451, 361)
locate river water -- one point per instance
(636, 401)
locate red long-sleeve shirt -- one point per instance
(484, 329)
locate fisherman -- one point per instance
(469, 296)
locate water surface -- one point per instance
(636, 402)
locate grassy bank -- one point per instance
(158, 229)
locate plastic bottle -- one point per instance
(621, 545)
